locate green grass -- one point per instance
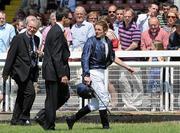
(162, 127)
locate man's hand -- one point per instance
(87, 80)
(64, 80)
(40, 53)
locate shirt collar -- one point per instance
(3, 26)
(80, 24)
(29, 36)
(117, 22)
(129, 25)
(61, 26)
(103, 39)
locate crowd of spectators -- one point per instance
(133, 31)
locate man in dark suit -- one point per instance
(21, 65)
(55, 71)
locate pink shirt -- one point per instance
(68, 34)
(147, 38)
(44, 34)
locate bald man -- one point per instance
(112, 13)
(153, 33)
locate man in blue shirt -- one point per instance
(7, 32)
(81, 30)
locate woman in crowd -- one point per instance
(171, 19)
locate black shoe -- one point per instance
(106, 127)
(70, 122)
(104, 119)
(36, 118)
(50, 128)
(14, 123)
(24, 122)
(20, 122)
(42, 124)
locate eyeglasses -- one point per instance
(171, 17)
(111, 11)
(31, 27)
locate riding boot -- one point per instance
(104, 118)
(72, 119)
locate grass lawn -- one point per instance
(162, 127)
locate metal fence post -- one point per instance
(171, 89)
(166, 89)
(4, 95)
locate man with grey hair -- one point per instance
(81, 30)
(38, 33)
(21, 65)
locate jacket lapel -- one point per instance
(26, 43)
(36, 40)
(26, 40)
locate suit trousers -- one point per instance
(56, 95)
(24, 100)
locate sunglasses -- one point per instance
(171, 17)
(111, 11)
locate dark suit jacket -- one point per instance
(174, 44)
(18, 61)
(56, 50)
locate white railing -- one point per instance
(163, 53)
(170, 53)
